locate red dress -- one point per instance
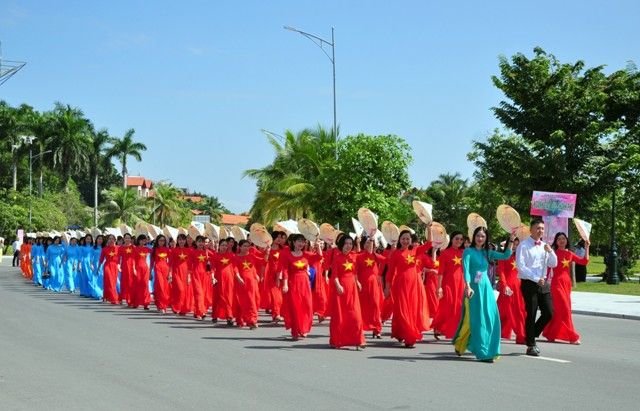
(181, 294)
(320, 290)
(410, 309)
(297, 307)
(224, 271)
(248, 294)
(110, 256)
(371, 295)
(449, 312)
(200, 279)
(127, 254)
(161, 289)
(139, 284)
(387, 302)
(345, 328)
(561, 325)
(274, 300)
(512, 311)
(430, 282)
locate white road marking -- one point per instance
(547, 359)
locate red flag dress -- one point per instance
(387, 303)
(449, 312)
(110, 256)
(200, 279)
(320, 294)
(297, 307)
(224, 271)
(274, 301)
(410, 309)
(430, 282)
(248, 294)
(511, 308)
(127, 256)
(161, 288)
(345, 328)
(561, 325)
(181, 294)
(139, 284)
(371, 295)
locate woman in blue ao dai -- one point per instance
(483, 325)
(54, 265)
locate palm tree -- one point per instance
(166, 207)
(123, 205)
(70, 141)
(287, 187)
(99, 159)
(450, 194)
(124, 148)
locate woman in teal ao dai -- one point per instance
(479, 330)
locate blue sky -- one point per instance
(198, 80)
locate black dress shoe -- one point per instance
(535, 347)
(532, 351)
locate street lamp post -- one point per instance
(320, 42)
(29, 141)
(612, 278)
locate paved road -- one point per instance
(58, 351)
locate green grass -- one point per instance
(596, 266)
(627, 288)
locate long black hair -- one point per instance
(95, 242)
(155, 244)
(453, 235)
(292, 240)
(341, 242)
(555, 240)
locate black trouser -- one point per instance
(581, 273)
(16, 259)
(536, 297)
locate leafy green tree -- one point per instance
(124, 148)
(166, 204)
(99, 161)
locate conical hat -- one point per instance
(193, 231)
(95, 231)
(335, 236)
(199, 226)
(446, 243)
(390, 231)
(407, 228)
(508, 218)
(438, 235)
(31, 235)
(474, 220)
(379, 237)
(368, 220)
(260, 235)
(212, 231)
(423, 210)
(125, 229)
(170, 232)
(584, 228)
(141, 229)
(357, 227)
(153, 231)
(78, 234)
(308, 229)
(239, 233)
(224, 233)
(327, 233)
(288, 226)
(182, 230)
(65, 237)
(523, 232)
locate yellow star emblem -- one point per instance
(299, 264)
(202, 258)
(348, 266)
(128, 250)
(246, 265)
(565, 263)
(436, 264)
(276, 255)
(411, 259)
(369, 262)
(514, 264)
(162, 255)
(112, 254)
(224, 261)
(182, 256)
(142, 254)
(457, 260)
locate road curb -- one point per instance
(607, 315)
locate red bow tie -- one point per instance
(538, 242)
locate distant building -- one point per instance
(234, 219)
(144, 186)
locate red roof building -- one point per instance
(234, 219)
(143, 185)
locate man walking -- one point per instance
(16, 253)
(533, 259)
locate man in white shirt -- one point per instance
(16, 252)
(533, 258)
